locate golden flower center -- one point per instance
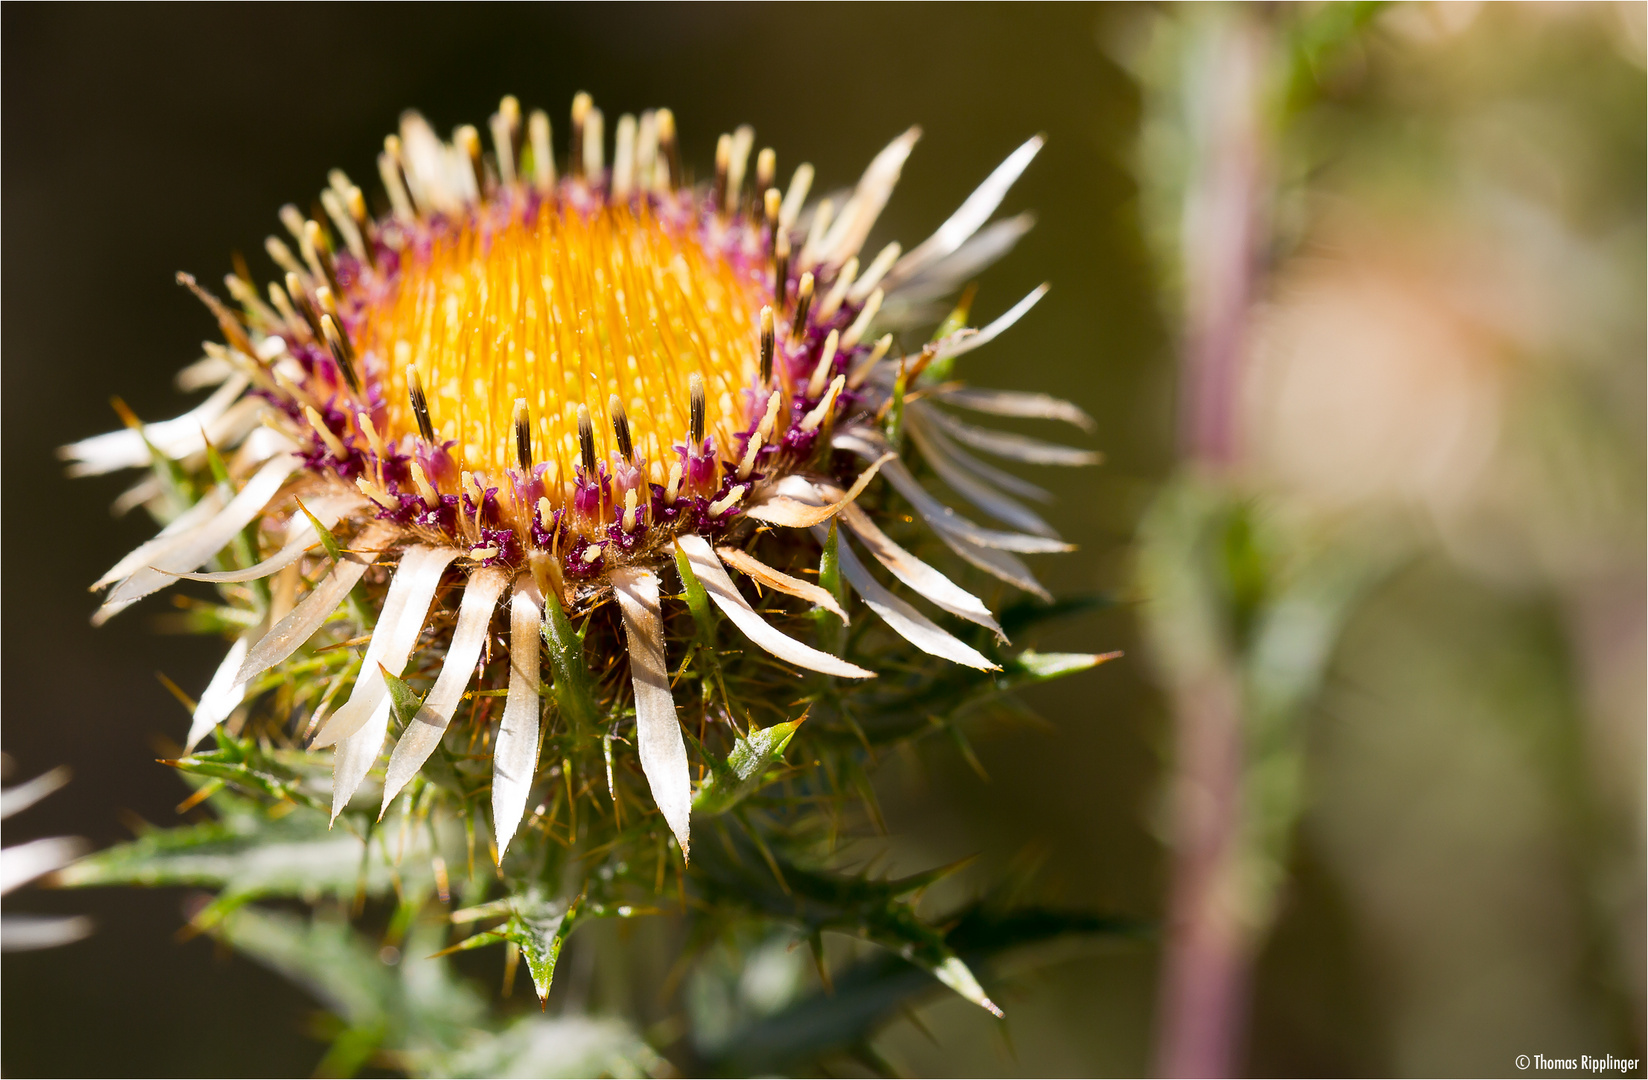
(565, 310)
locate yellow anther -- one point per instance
(722, 505)
(426, 490)
(375, 493)
(333, 443)
(816, 417)
(673, 489)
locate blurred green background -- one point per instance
(1452, 344)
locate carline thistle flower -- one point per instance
(543, 390)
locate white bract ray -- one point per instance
(22, 863)
(777, 580)
(515, 758)
(145, 492)
(905, 620)
(1002, 507)
(779, 508)
(925, 580)
(996, 327)
(662, 750)
(20, 797)
(713, 576)
(970, 216)
(944, 277)
(428, 166)
(1001, 564)
(1008, 445)
(300, 624)
(300, 538)
(221, 696)
(146, 552)
(260, 444)
(423, 734)
(24, 932)
(357, 753)
(176, 438)
(194, 547)
(1027, 404)
(405, 609)
(852, 226)
(941, 517)
(207, 371)
(917, 417)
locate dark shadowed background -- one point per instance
(139, 141)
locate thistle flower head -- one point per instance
(552, 387)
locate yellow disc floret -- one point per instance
(566, 308)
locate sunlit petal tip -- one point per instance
(909, 623)
(713, 576)
(423, 733)
(661, 748)
(515, 758)
(405, 610)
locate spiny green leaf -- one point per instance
(871, 992)
(1030, 667)
(894, 424)
(334, 550)
(253, 853)
(220, 470)
(817, 900)
(351, 1049)
(745, 768)
(492, 909)
(829, 566)
(832, 635)
(227, 766)
(911, 883)
(325, 957)
(566, 657)
(957, 319)
(402, 700)
(537, 925)
(698, 601)
(540, 930)
(412, 1006)
(941, 369)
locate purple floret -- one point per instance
(575, 565)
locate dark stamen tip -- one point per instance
(696, 412)
(620, 427)
(523, 435)
(586, 440)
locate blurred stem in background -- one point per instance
(1242, 603)
(1209, 952)
(1387, 355)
